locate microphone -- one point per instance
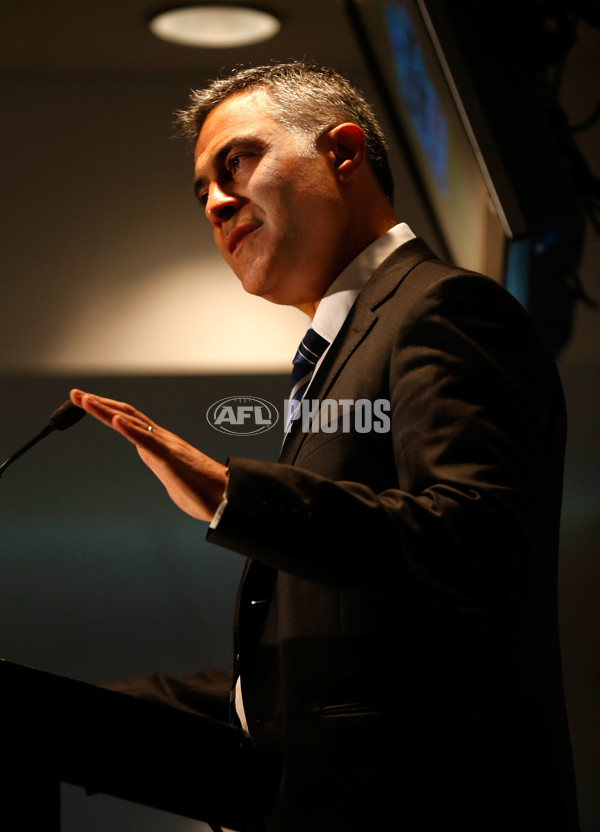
(65, 416)
(62, 418)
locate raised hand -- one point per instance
(195, 482)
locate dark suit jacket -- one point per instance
(397, 629)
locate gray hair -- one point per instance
(307, 99)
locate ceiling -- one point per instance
(112, 36)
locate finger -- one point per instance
(140, 431)
(101, 406)
(83, 399)
(105, 410)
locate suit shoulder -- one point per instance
(429, 283)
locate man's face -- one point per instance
(277, 215)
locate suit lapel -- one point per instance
(357, 325)
(359, 322)
(390, 274)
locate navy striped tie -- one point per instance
(310, 350)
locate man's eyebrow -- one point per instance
(219, 157)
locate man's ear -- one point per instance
(347, 145)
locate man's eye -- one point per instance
(235, 162)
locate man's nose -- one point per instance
(221, 205)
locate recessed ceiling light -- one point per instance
(215, 27)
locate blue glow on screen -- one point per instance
(418, 92)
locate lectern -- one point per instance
(58, 730)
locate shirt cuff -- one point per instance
(220, 508)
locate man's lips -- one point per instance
(238, 234)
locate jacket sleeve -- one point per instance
(205, 693)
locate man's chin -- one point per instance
(273, 290)
(252, 287)
(256, 284)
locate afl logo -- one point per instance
(242, 415)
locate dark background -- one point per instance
(109, 283)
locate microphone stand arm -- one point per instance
(48, 429)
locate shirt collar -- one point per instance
(336, 302)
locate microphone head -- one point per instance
(66, 415)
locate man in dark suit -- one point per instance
(397, 651)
